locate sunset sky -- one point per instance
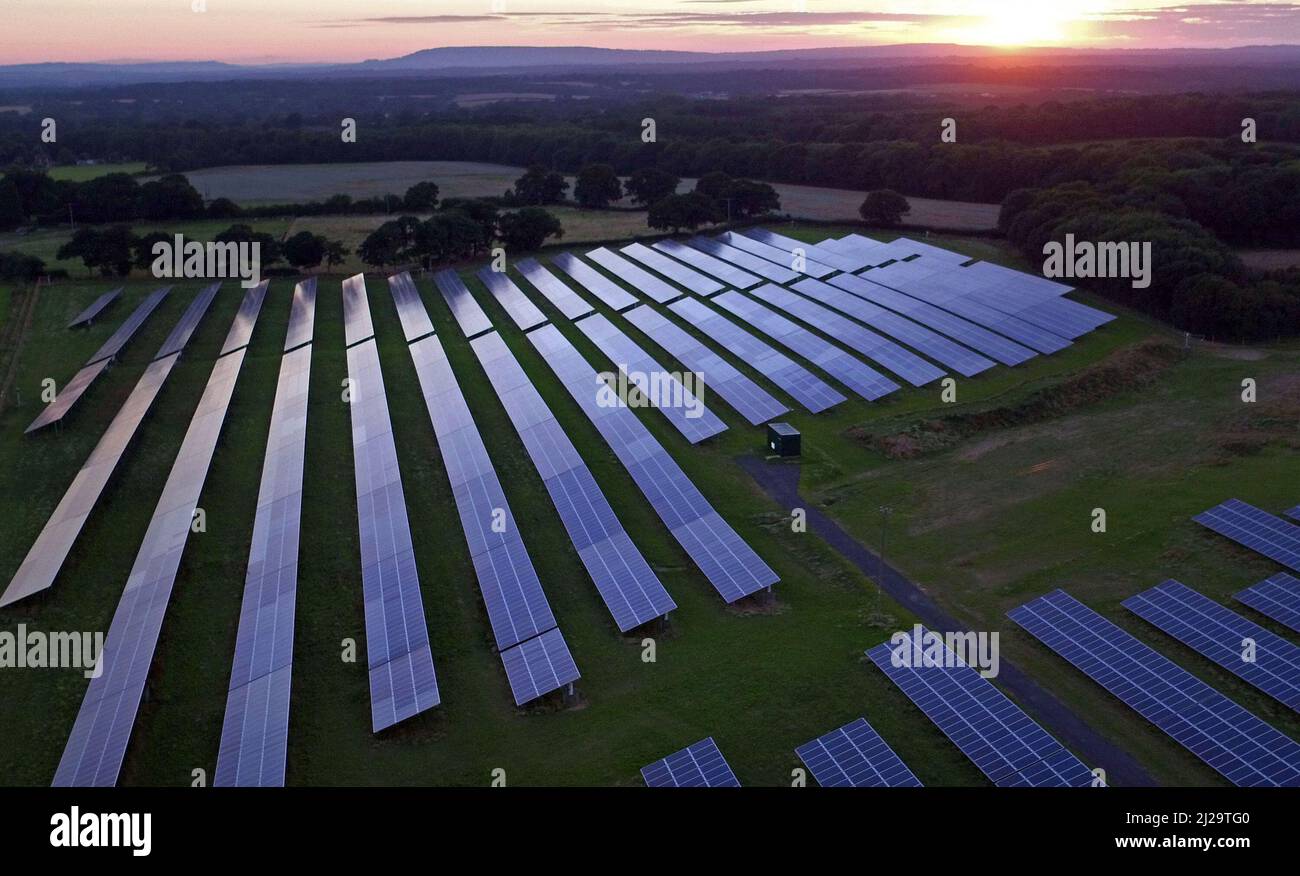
(268, 31)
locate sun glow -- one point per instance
(1015, 23)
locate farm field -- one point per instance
(83, 172)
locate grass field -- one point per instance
(983, 524)
(83, 172)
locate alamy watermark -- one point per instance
(215, 260)
(33, 649)
(1107, 259)
(920, 648)
(660, 389)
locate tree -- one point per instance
(676, 212)
(304, 250)
(540, 186)
(142, 248)
(394, 242)
(20, 266)
(748, 198)
(268, 246)
(448, 235)
(884, 207)
(11, 206)
(484, 214)
(336, 253)
(526, 229)
(224, 208)
(108, 251)
(713, 184)
(597, 186)
(170, 197)
(421, 197)
(650, 184)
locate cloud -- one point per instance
(1199, 23)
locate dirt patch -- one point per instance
(1274, 420)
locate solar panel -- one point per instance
(748, 398)
(663, 390)
(880, 350)
(71, 393)
(357, 326)
(1006, 744)
(730, 564)
(750, 262)
(512, 299)
(302, 314)
(802, 385)
(645, 283)
(398, 657)
(673, 270)
(100, 735)
(469, 316)
(189, 321)
(1293, 513)
(1277, 597)
(1271, 664)
(538, 666)
(1244, 749)
(1258, 530)
(629, 587)
(410, 308)
(976, 337)
(935, 252)
(1020, 279)
(931, 343)
(781, 257)
(854, 756)
(697, 766)
(612, 294)
(118, 339)
(830, 258)
(87, 316)
(729, 274)
(1057, 317)
(856, 245)
(241, 332)
(255, 729)
(556, 290)
(848, 370)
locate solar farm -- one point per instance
(435, 477)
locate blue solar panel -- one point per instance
(1277, 597)
(697, 766)
(128, 328)
(1059, 316)
(1293, 513)
(1005, 743)
(1272, 664)
(661, 388)
(1244, 749)
(784, 258)
(848, 370)
(356, 310)
(612, 294)
(410, 308)
(726, 560)
(854, 756)
(631, 590)
(556, 291)
(752, 401)
(469, 316)
(645, 283)
(729, 274)
(673, 270)
(538, 666)
(87, 316)
(750, 262)
(1258, 530)
(524, 313)
(837, 260)
(802, 385)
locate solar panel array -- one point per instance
(880, 350)
(800, 383)
(556, 290)
(356, 310)
(119, 338)
(241, 331)
(1277, 597)
(398, 656)
(697, 766)
(629, 587)
(747, 260)
(830, 258)
(645, 283)
(1244, 749)
(612, 294)
(848, 370)
(302, 315)
(1293, 513)
(96, 307)
(777, 256)
(189, 321)
(729, 274)
(1273, 663)
(730, 564)
(410, 308)
(95, 748)
(469, 315)
(854, 756)
(748, 398)
(1258, 530)
(673, 270)
(538, 666)
(660, 387)
(1006, 744)
(524, 313)
(71, 393)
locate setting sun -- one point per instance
(1023, 24)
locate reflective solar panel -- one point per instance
(87, 316)
(241, 332)
(753, 264)
(629, 587)
(1258, 530)
(302, 314)
(469, 316)
(1293, 513)
(1019, 279)
(935, 252)
(673, 270)
(726, 560)
(697, 766)
(356, 310)
(410, 307)
(848, 370)
(524, 313)
(777, 256)
(802, 385)
(100, 735)
(880, 350)
(830, 258)
(1244, 749)
(663, 390)
(1006, 744)
(854, 756)
(955, 288)
(864, 248)
(645, 283)
(749, 399)
(538, 666)
(1277, 597)
(556, 290)
(729, 274)
(189, 321)
(612, 294)
(398, 657)
(118, 339)
(1271, 663)
(68, 396)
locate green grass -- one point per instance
(83, 172)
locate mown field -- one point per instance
(982, 523)
(83, 172)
